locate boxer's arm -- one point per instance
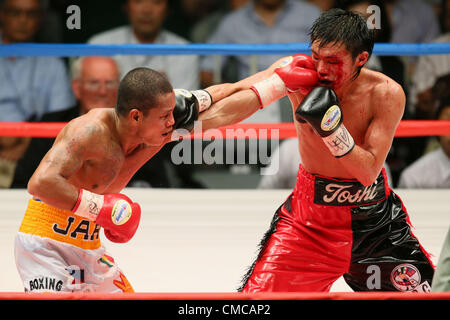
(234, 102)
(230, 110)
(366, 160)
(221, 91)
(50, 181)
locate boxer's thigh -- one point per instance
(386, 255)
(41, 268)
(46, 265)
(113, 279)
(291, 261)
(377, 275)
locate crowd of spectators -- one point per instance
(59, 89)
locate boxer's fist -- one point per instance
(321, 110)
(115, 212)
(186, 109)
(295, 73)
(298, 72)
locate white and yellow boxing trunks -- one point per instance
(56, 250)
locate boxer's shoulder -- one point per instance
(379, 87)
(386, 97)
(93, 130)
(379, 82)
(98, 120)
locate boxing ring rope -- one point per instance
(229, 296)
(75, 50)
(407, 128)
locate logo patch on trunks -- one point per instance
(347, 193)
(405, 277)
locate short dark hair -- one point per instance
(442, 104)
(140, 89)
(337, 26)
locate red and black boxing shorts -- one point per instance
(328, 228)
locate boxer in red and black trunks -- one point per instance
(341, 219)
(333, 227)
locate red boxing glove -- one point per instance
(115, 212)
(295, 73)
(298, 73)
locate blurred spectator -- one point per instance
(413, 21)
(146, 18)
(53, 22)
(432, 170)
(95, 17)
(31, 86)
(323, 5)
(429, 68)
(95, 82)
(184, 14)
(440, 91)
(406, 150)
(444, 14)
(261, 21)
(283, 168)
(203, 29)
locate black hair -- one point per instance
(443, 103)
(337, 26)
(141, 89)
(443, 16)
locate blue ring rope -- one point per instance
(75, 50)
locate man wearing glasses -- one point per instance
(95, 81)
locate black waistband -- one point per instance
(336, 192)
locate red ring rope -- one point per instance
(229, 296)
(406, 128)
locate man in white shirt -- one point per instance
(146, 19)
(429, 68)
(433, 169)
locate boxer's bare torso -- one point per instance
(101, 160)
(99, 152)
(362, 106)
